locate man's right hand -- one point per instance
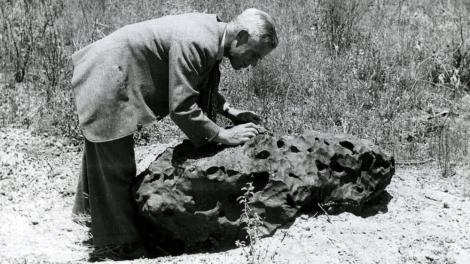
(237, 135)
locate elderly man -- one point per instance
(139, 74)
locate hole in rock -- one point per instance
(223, 169)
(263, 154)
(359, 189)
(293, 175)
(169, 176)
(155, 177)
(280, 143)
(335, 165)
(260, 180)
(230, 173)
(348, 177)
(212, 170)
(320, 166)
(348, 145)
(367, 160)
(294, 149)
(290, 201)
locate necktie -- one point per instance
(211, 104)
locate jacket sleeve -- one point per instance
(186, 63)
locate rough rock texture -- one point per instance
(188, 197)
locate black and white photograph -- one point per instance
(257, 132)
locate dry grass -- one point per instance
(377, 69)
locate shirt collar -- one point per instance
(220, 54)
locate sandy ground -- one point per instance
(427, 218)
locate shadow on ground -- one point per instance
(377, 205)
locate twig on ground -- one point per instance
(326, 213)
(50, 166)
(431, 198)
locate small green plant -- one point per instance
(252, 222)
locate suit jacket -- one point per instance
(145, 71)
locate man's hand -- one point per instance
(237, 135)
(242, 117)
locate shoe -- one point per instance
(121, 252)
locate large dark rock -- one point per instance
(188, 197)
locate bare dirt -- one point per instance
(426, 218)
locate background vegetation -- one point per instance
(394, 72)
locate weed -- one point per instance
(252, 221)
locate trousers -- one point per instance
(104, 191)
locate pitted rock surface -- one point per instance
(188, 197)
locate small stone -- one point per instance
(446, 205)
(34, 222)
(449, 240)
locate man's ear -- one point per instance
(242, 37)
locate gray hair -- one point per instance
(259, 25)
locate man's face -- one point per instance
(246, 51)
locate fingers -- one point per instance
(250, 125)
(244, 139)
(259, 128)
(249, 134)
(252, 130)
(241, 133)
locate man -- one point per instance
(139, 74)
